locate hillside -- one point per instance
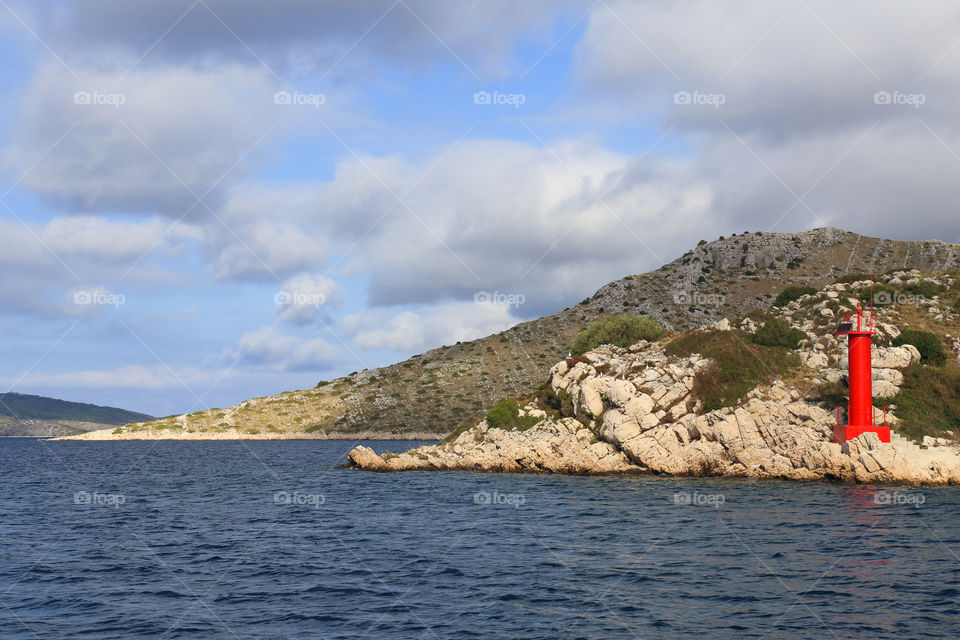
(434, 392)
(28, 415)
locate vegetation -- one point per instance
(924, 288)
(26, 407)
(777, 332)
(506, 415)
(928, 344)
(882, 294)
(853, 277)
(622, 330)
(929, 401)
(737, 365)
(956, 305)
(792, 293)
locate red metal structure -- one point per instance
(859, 329)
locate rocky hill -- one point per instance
(747, 399)
(431, 393)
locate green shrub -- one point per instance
(778, 333)
(883, 294)
(737, 365)
(792, 293)
(928, 344)
(506, 415)
(924, 288)
(622, 330)
(956, 305)
(852, 277)
(929, 401)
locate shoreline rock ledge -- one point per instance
(634, 412)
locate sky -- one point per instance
(203, 201)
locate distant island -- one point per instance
(28, 415)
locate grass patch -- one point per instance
(929, 401)
(852, 277)
(777, 332)
(737, 365)
(924, 288)
(622, 330)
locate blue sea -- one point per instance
(272, 540)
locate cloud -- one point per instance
(303, 298)
(831, 113)
(268, 347)
(301, 36)
(149, 142)
(431, 327)
(550, 224)
(124, 377)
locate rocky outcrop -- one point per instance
(634, 412)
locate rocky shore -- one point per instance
(634, 412)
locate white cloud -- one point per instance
(268, 347)
(160, 139)
(431, 327)
(125, 377)
(305, 297)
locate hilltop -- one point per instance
(431, 393)
(28, 415)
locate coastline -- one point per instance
(108, 436)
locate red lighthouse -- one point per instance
(859, 329)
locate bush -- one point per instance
(852, 277)
(737, 366)
(506, 415)
(956, 305)
(622, 330)
(928, 344)
(883, 294)
(924, 288)
(778, 333)
(929, 401)
(792, 293)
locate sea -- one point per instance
(272, 539)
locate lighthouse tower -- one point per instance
(859, 329)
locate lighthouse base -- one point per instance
(842, 433)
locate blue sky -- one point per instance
(173, 236)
